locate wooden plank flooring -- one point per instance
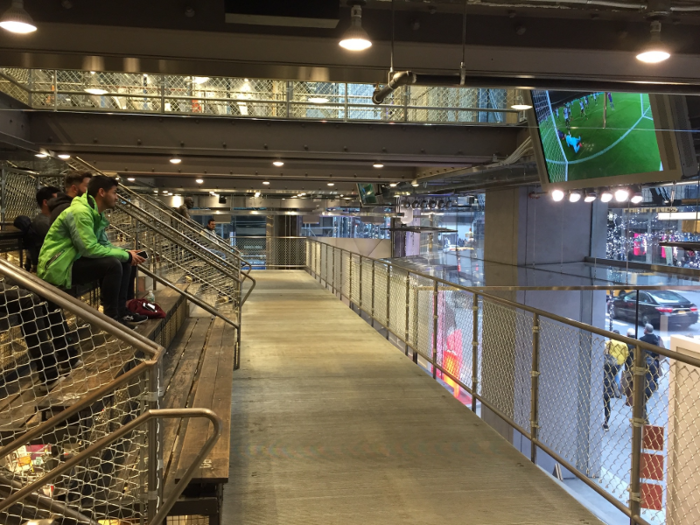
(331, 424)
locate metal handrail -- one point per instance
(167, 413)
(541, 313)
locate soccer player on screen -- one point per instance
(583, 110)
(595, 98)
(612, 104)
(557, 112)
(567, 114)
(574, 142)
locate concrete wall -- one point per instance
(524, 231)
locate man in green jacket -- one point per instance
(76, 250)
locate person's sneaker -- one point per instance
(134, 319)
(606, 427)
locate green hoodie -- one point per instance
(78, 232)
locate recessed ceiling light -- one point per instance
(199, 181)
(378, 165)
(266, 182)
(414, 183)
(257, 194)
(278, 163)
(393, 185)
(64, 156)
(17, 20)
(131, 179)
(96, 91)
(318, 100)
(41, 155)
(175, 160)
(331, 184)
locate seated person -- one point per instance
(42, 222)
(75, 183)
(76, 251)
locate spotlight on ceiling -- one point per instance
(278, 163)
(557, 195)
(655, 51)
(622, 195)
(200, 181)
(64, 156)
(590, 196)
(637, 197)
(131, 179)
(606, 196)
(356, 38)
(175, 160)
(331, 183)
(574, 196)
(378, 165)
(17, 20)
(266, 182)
(414, 183)
(41, 155)
(393, 184)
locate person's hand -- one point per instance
(136, 259)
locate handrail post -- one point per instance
(155, 446)
(333, 272)
(360, 284)
(435, 328)
(373, 290)
(475, 350)
(408, 307)
(639, 372)
(388, 300)
(534, 393)
(350, 271)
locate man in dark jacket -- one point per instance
(76, 184)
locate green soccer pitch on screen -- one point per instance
(588, 139)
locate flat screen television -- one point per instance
(585, 139)
(370, 194)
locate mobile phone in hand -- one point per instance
(143, 254)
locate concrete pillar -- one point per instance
(524, 232)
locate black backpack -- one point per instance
(30, 240)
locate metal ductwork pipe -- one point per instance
(402, 78)
(549, 84)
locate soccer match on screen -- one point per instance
(590, 135)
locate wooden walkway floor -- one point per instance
(331, 424)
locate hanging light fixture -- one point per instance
(574, 196)
(637, 197)
(606, 196)
(356, 38)
(557, 195)
(17, 20)
(654, 52)
(622, 195)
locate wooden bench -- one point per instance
(198, 372)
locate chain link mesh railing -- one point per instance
(72, 90)
(550, 378)
(272, 252)
(68, 381)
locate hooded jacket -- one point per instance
(77, 232)
(59, 203)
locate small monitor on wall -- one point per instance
(586, 139)
(369, 194)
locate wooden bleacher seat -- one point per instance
(198, 372)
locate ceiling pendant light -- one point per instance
(590, 196)
(654, 52)
(606, 196)
(356, 38)
(557, 195)
(574, 196)
(17, 20)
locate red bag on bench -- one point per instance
(144, 307)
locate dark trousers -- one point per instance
(45, 333)
(114, 277)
